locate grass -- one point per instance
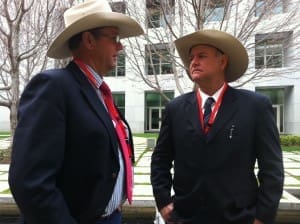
(7, 191)
(146, 135)
(291, 148)
(4, 134)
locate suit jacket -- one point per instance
(65, 150)
(214, 178)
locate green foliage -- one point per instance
(290, 140)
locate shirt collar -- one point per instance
(98, 78)
(216, 95)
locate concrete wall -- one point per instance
(4, 119)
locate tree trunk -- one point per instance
(14, 108)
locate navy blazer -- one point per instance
(65, 150)
(214, 176)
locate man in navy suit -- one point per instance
(212, 138)
(70, 159)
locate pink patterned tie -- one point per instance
(121, 133)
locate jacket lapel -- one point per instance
(91, 96)
(192, 110)
(226, 111)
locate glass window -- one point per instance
(155, 12)
(270, 50)
(118, 7)
(269, 55)
(278, 7)
(155, 106)
(119, 99)
(169, 95)
(154, 19)
(216, 10)
(153, 99)
(276, 95)
(158, 59)
(259, 7)
(263, 6)
(119, 70)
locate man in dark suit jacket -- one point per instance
(213, 148)
(68, 161)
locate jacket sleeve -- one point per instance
(270, 164)
(38, 153)
(161, 164)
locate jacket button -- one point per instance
(114, 175)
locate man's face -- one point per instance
(207, 63)
(106, 49)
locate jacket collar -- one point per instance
(93, 100)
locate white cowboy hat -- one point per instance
(228, 44)
(88, 15)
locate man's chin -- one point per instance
(197, 76)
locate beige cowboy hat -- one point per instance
(88, 15)
(228, 44)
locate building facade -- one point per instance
(149, 71)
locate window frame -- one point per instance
(156, 59)
(120, 67)
(155, 9)
(121, 107)
(266, 46)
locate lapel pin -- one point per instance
(231, 131)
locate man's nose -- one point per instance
(194, 62)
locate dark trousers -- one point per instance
(114, 218)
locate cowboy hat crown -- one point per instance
(88, 15)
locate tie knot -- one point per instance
(209, 102)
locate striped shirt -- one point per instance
(118, 196)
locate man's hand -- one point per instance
(166, 211)
(256, 221)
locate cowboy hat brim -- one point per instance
(228, 44)
(127, 27)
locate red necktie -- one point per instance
(121, 133)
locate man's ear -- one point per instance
(88, 40)
(224, 61)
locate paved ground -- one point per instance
(143, 192)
